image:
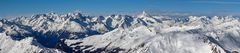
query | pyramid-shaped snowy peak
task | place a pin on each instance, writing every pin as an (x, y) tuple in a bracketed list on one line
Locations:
[(143, 14)]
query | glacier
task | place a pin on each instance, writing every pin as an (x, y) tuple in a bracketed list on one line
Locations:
[(143, 33)]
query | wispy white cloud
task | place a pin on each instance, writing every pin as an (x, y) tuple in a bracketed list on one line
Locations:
[(217, 2)]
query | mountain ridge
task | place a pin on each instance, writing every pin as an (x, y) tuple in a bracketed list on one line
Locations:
[(73, 32)]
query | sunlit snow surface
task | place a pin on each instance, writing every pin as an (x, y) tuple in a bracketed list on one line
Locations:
[(74, 32)]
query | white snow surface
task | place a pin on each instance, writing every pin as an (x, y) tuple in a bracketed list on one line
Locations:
[(27, 45)]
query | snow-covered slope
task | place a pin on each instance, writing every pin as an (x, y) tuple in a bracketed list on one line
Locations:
[(74, 32), (27, 45)]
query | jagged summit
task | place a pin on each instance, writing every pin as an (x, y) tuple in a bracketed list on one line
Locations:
[(143, 15)]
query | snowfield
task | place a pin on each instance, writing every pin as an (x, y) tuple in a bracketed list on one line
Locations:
[(77, 33)]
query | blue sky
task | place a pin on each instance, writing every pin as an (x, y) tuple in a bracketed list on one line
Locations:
[(101, 7)]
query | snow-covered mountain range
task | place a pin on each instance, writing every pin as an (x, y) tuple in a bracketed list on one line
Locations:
[(143, 33)]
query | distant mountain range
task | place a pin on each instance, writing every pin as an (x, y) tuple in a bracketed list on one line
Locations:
[(143, 33)]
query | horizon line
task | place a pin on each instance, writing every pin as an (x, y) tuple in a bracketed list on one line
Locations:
[(167, 13)]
